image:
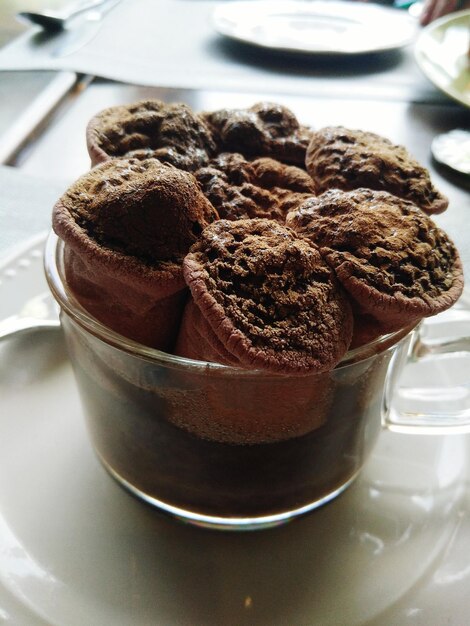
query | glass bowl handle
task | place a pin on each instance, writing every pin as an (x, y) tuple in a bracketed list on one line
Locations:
[(428, 390)]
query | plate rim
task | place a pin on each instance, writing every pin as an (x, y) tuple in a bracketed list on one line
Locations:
[(14, 608), (267, 6)]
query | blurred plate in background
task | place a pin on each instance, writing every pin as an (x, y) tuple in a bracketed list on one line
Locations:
[(318, 27), (442, 53)]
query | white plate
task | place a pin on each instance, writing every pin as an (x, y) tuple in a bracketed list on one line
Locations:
[(76, 549), (319, 27), (442, 53), (453, 150)]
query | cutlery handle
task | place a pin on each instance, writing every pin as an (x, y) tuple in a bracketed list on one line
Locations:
[(29, 124)]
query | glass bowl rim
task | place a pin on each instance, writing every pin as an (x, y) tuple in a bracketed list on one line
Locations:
[(53, 266)]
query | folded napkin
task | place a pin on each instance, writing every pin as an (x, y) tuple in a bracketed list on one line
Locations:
[(25, 206)]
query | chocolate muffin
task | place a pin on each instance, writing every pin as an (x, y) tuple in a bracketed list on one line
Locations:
[(262, 188), (392, 259), (341, 158), (264, 129), (267, 296), (171, 133), (127, 224)]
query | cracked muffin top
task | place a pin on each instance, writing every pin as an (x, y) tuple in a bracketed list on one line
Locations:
[(269, 297), (140, 208), (342, 158), (264, 129), (171, 133), (389, 255), (262, 188)]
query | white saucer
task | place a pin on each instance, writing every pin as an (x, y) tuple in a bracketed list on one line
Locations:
[(442, 53), (452, 149), (76, 549), (320, 27)]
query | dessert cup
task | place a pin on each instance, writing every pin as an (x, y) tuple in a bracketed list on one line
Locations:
[(267, 300), (266, 188), (127, 225), (216, 445), (395, 263), (343, 158), (264, 129), (171, 133)]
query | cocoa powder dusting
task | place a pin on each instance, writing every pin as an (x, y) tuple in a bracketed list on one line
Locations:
[(263, 188), (387, 253), (342, 158), (172, 133), (141, 208), (264, 129), (269, 296)]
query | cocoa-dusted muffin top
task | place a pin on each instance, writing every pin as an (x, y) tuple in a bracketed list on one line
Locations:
[(389, 255), (264, 129), (150, 128), (269, 297), (142, 208), (342, 158), (247, 189)]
